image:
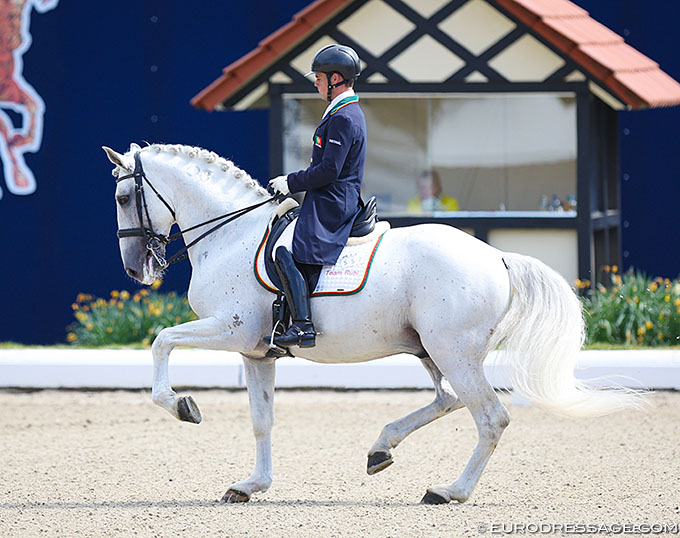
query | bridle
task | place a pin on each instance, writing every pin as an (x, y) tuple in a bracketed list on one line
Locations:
[(155, 242)]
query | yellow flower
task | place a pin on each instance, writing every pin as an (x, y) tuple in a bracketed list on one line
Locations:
[(578, 283), (628, 300), (120, 305), (88, 326), (660, 336), (607, 268), (86, 308), (677, 302), (636, 299), (641, 331), (101, 302), (144, 293), (125, 295), (74, 306), (667, 298), (150, 331), (172, 294), (177, 319), (156, 284), (619, 280), (80, 316), (648, 325), (109, 330), (115, 294), (168, 307), (136, 297), (615, 268), (653, 286), (71, 337), (146, 341), (661, 315), (112, 301)]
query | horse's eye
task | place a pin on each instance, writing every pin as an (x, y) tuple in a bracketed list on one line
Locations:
[(123, 199)]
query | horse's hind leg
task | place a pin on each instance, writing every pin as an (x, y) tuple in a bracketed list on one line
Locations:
[(445, 401), (490, 416)]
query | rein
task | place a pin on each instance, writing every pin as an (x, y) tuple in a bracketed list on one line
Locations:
[(156, 242)]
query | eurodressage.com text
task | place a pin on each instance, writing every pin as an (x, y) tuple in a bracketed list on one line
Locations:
[(580, 528)]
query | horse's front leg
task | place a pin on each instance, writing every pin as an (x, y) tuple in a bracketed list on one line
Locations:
[(260, 375), (205, 333)]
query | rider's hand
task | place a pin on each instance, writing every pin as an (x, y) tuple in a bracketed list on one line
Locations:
[(280, 185)]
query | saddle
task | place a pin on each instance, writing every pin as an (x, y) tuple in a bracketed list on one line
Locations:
[(364, 224)]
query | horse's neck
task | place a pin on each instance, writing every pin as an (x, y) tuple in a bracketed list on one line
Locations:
[(200, 193)]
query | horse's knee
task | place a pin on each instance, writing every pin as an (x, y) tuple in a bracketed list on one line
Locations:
[(161, 344)]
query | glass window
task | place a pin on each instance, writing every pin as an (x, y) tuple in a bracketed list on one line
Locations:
[(432, 154)]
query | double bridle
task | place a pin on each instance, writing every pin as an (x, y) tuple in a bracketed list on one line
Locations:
[(155, 242)]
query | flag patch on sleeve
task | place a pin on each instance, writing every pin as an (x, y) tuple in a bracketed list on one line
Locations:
[(317, 141)]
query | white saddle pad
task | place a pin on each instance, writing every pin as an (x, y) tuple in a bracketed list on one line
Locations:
[(346, 277)]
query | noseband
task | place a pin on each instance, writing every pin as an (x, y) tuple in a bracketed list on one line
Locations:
[(155, 242)]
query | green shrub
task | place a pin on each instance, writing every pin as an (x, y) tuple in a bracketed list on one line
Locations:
[(126, 318), (632, 309)]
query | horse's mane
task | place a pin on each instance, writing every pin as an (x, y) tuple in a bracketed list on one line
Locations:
[(212, 160)]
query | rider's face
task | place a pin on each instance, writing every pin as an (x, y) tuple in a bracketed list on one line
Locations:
[(321, 84)]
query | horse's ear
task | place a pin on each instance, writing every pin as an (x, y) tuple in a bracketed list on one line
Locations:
[(134, 148), (116, 158)]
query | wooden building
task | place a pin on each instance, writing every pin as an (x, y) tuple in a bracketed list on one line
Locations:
[(509, 101)]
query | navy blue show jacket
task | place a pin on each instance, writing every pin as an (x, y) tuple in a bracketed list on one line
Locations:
[(332, 183)]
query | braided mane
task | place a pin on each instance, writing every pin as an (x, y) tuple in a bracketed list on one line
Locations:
[(213, 160)]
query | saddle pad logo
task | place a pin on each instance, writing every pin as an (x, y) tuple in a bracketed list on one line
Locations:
[(317, 141)]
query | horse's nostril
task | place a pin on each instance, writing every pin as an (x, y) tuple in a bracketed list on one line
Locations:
[(131, 272)]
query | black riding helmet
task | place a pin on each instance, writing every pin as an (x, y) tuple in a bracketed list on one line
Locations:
[(336, 59)]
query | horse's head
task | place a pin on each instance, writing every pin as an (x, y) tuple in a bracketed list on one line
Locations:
[(144, 219)]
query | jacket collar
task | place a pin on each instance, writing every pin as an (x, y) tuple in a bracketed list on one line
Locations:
[(336, 101)]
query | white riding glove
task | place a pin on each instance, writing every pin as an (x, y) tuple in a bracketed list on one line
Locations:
[(280, 184)]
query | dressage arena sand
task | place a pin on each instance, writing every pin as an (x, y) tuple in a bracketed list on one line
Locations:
[(113, 464)]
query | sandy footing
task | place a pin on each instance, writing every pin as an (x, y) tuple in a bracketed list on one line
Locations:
[(113, 464)]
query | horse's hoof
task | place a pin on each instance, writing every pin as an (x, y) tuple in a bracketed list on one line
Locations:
[(433, 498), (378, 461), (187, 410), (235, 496)]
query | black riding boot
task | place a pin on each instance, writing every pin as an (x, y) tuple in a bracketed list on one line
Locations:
[(301, 332)]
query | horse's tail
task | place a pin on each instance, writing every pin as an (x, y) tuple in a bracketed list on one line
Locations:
[(541, 335)]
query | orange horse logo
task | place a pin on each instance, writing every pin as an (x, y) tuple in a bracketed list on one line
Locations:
[(18, 95)]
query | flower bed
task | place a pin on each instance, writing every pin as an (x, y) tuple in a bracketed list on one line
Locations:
[(632, 309), (126, 318)]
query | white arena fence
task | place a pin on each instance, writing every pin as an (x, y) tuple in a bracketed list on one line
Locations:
[(131, 369)]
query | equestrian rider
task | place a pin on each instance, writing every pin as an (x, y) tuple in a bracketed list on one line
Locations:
[(332, 184)]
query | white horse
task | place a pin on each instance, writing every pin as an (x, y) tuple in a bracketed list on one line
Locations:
[(434, 292)]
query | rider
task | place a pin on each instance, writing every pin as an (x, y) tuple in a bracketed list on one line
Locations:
[(332, 183)]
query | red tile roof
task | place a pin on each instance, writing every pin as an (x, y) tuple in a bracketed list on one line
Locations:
[(267, 52), (632, 77), (627, 73)]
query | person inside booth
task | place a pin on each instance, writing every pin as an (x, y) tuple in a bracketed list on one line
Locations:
[(430, 196)]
